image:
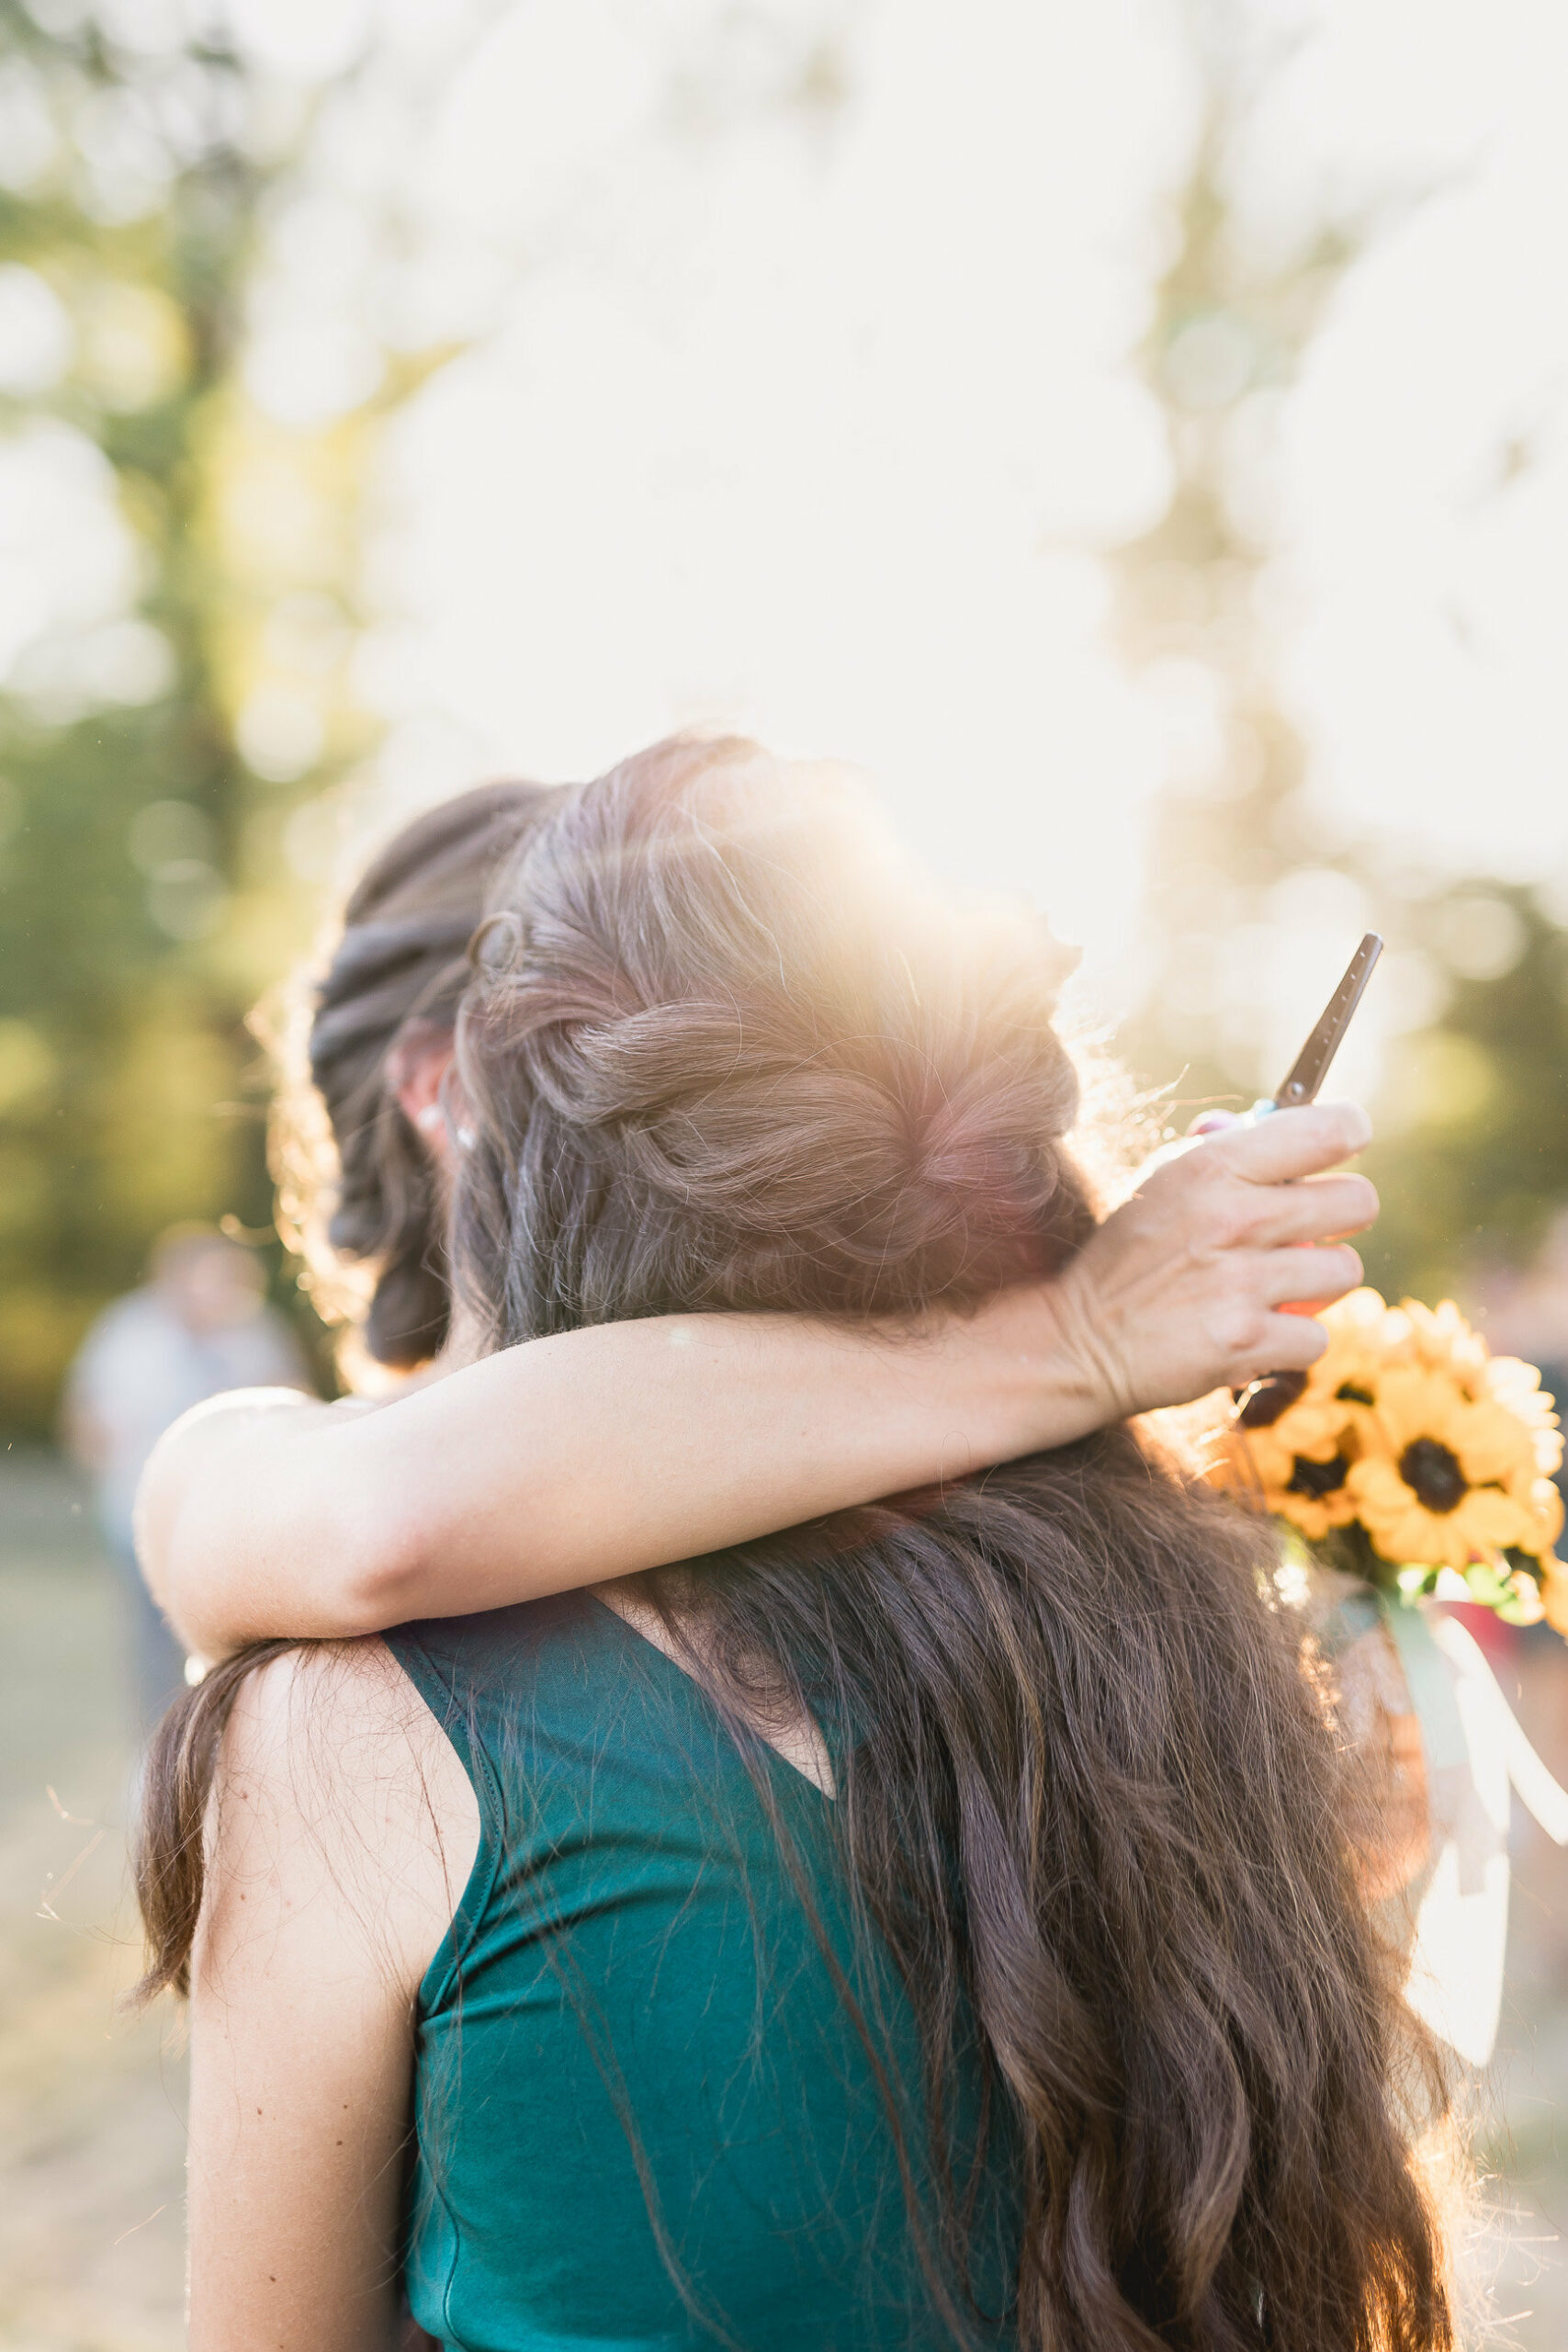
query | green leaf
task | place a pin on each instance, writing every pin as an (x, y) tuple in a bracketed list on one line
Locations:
[(1488, 1587)]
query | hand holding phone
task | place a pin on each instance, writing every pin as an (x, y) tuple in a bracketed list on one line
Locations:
[(1178, 1292), (1311, 1066)]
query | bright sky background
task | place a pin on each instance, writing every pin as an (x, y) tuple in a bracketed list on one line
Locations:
[(823, 432), (819, 423)]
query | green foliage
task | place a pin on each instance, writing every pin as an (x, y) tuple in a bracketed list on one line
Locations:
[(1226, 330), (121, 1035), (1474, 1159), (1473, 1155), (144, 899)]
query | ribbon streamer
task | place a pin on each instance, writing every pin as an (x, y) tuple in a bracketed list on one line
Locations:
[(1476, 1753)]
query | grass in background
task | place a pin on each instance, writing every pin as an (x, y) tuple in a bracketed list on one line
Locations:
[(91, 2132)]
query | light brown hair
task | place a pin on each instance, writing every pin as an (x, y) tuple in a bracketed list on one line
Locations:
[(722, 1053), (358, 1187), (718, 1052)]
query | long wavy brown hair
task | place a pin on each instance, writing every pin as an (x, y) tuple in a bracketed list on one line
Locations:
[(720, 1053)]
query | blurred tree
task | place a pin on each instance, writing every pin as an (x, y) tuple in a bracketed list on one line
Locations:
[(125, 230), (177, 590), (1474, 1157), (1226, 338), (1257, 886), (203, 323)]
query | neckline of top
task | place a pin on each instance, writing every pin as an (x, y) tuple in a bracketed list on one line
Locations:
[(824, 1788)]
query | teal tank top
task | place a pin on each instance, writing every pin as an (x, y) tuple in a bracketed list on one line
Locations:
[(646, 2118)]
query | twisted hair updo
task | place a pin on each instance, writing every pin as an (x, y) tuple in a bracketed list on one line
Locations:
[(361, 1188), (725, 1054)]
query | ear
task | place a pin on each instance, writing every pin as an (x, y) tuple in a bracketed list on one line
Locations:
[(416, 1073)]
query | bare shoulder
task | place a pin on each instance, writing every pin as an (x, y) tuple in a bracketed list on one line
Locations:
[(341, 1801), (344, 1711)]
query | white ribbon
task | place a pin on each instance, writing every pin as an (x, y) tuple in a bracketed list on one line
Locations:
[(1475, 1754)]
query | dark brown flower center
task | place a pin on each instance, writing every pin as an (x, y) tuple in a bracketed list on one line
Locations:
[(1433, 1474), (1317, 1478), (1262, 1404), (1349, 1394)]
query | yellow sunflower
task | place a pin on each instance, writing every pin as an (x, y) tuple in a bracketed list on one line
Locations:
[(1296, 1433), (1315, 1497), (1510, 1382), (1311, 1493), (1292, 1438), (1451, 1478), (1289, 1455), (1539, 1498), (1439, 1339), (1407, 1422), (1280, 1422), (1366, 1338)]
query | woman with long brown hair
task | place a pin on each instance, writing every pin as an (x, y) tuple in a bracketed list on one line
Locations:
[(934, 1925)]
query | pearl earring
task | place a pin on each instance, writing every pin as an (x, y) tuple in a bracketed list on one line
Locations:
[(429, 1119)]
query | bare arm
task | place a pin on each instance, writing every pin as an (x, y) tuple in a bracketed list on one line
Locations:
[(571, 1461), (593, 1455), (324, 1904)]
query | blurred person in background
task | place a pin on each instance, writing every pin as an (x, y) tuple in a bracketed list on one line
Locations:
[(198, 1327)]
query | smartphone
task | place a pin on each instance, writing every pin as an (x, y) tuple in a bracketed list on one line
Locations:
[(1311, 1066)]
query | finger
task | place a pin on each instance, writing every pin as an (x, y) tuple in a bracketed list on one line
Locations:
[(1293, 1143), (1315, 1276), (1319, 1208), (1289, 1343)]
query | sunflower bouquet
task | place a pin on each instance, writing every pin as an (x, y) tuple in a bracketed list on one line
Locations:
[(1412, 1457)]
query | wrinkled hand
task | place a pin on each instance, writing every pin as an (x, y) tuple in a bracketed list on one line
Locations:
[(1181, 1290)]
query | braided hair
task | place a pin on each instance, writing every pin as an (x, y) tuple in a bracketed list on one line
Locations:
[(358, 1189)]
